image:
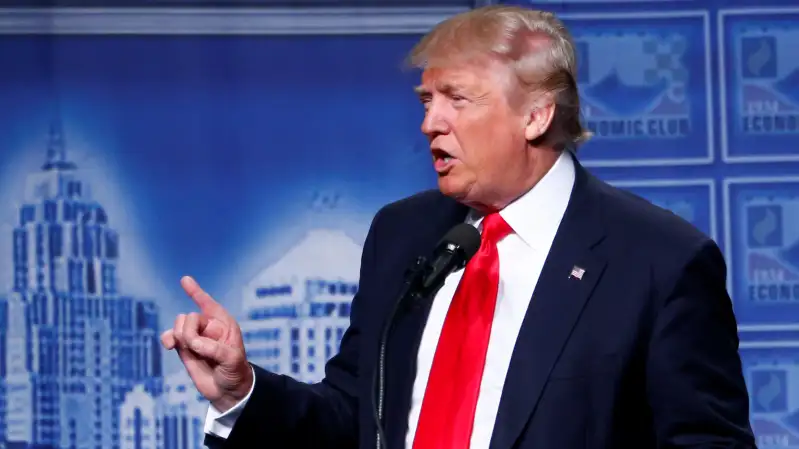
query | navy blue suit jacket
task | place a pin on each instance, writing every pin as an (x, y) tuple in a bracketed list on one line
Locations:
[(641, 353)]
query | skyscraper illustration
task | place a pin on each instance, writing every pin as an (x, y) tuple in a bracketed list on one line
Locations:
[(172, 420), (297, 310), (71, 345)]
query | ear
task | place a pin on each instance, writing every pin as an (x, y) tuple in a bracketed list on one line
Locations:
[(539, 118)]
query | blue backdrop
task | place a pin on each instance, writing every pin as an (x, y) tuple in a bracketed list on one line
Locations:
[(249, 146)]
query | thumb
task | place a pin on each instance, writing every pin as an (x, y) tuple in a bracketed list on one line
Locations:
[(214, 350)]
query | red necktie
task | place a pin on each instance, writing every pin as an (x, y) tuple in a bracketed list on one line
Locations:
[(447, 416)]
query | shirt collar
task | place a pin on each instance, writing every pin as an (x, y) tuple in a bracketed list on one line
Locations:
[(536, 215)]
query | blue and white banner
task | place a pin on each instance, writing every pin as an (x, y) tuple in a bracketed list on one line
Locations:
[(762, 228), (759, 72), (772, 374), (645, 84)]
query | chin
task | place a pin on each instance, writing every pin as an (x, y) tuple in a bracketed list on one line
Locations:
[(453, 188)]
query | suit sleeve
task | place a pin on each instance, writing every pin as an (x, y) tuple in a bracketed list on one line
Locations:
[(695, 383), (285, 413)]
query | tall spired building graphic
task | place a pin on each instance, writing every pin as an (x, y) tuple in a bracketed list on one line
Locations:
[(74, 345)]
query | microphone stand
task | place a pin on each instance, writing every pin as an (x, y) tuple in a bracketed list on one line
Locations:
[(411, 289)]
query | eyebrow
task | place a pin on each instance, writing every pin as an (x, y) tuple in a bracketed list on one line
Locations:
[(422, 93), (447, 88)]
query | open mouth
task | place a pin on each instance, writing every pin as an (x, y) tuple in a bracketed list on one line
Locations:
[(442, 161), (441, 154)]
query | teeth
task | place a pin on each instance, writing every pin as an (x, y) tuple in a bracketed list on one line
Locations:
[(447, 158)]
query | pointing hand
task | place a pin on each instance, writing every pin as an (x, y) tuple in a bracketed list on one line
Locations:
[(211, 348)]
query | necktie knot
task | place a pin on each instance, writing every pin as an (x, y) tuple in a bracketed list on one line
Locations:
[(495, 228)]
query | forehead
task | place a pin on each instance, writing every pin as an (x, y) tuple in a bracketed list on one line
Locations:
[(467, 76)]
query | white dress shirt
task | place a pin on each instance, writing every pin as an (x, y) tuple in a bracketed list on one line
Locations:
[(534, 218)]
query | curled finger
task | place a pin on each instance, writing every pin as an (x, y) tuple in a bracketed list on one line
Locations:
[(193, 326), (168, 339), (215, 351), (177, 330)]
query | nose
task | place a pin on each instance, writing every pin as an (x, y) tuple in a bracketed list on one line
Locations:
[(434, 122)]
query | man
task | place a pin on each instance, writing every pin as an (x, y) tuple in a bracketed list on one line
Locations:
[(587, 319)]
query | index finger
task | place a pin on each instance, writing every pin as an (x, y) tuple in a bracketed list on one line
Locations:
[(208, 306)]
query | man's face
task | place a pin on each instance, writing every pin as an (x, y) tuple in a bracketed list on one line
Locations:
[(476, 138)]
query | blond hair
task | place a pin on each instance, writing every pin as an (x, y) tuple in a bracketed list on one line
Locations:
[(534, 44)]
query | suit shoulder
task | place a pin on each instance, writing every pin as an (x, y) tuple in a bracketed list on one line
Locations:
[(650, 227), (426, 198), (411, 205), (647, 235)]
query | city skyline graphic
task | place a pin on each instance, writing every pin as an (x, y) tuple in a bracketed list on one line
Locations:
[(81, 362), (74, 344)]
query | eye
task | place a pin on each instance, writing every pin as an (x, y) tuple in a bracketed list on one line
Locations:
[(458, 100)]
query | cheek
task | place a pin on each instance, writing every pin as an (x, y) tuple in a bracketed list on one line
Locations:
[(476, 140), (487, 148)]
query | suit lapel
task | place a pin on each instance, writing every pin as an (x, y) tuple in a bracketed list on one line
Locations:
[(403, 343), (557, 302)]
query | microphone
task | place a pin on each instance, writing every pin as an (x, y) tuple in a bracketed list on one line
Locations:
[(422, 280), (452, 252)]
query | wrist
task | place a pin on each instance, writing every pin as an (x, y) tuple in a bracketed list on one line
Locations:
[(238, 393)]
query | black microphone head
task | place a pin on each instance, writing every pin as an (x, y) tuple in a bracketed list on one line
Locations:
[(465, 237)]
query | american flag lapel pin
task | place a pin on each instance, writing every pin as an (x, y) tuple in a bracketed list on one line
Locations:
[(577, 272)]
